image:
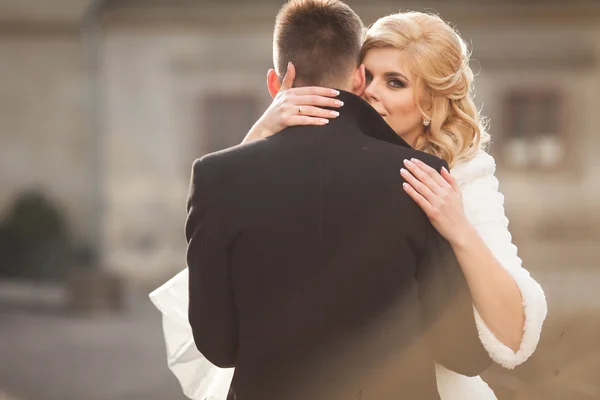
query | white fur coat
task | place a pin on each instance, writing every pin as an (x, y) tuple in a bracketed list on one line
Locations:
[(484, 207)]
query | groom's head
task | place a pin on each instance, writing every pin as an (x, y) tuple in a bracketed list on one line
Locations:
[(322, 38)]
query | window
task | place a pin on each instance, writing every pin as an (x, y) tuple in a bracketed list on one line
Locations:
[(229, 118), (533, 130)]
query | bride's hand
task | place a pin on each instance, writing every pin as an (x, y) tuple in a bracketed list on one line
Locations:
[(439, 196), (295, 106)]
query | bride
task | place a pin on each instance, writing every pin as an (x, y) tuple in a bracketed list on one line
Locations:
[(434, 83)]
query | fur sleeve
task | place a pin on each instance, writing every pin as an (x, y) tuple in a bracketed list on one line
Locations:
[(484, 207)]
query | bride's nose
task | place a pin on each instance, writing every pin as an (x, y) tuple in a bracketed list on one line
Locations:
[(370, 92)]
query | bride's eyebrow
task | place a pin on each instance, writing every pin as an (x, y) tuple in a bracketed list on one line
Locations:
[(394, 74)]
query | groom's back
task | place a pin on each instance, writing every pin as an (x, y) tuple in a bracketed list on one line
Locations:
[(323, 266)]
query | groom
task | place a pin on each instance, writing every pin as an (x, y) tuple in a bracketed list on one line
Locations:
[(311, 271)]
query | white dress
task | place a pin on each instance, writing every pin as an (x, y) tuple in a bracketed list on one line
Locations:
[(484, 207)]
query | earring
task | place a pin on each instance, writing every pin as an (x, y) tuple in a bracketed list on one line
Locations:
[(426, 121)]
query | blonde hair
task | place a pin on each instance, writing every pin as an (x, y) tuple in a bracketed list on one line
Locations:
[(438, 59)]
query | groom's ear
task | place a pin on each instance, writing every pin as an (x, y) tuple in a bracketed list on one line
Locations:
[(359, 81), (273, 83)]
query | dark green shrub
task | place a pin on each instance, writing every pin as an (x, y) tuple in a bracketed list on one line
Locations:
[(34, 242)]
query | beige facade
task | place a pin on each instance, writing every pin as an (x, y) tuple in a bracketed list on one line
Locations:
[(167, 67), (43, 112)]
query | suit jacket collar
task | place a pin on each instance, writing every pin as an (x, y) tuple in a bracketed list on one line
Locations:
[(358, 112)]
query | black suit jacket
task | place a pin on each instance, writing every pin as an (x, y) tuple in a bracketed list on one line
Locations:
[(316, 276)]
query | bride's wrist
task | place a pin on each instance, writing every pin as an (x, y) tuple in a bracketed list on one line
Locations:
[(259, 129), (463, 237), (255, 133)]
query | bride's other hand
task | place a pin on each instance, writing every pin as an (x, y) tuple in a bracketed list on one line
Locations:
[(439, 196), (295, 106)]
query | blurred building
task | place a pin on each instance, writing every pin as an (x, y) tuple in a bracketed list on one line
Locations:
[(106, 104)]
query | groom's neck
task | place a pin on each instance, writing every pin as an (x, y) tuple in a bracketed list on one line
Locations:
[(343, 84)]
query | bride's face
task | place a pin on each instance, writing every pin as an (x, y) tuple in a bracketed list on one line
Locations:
[(391, 91)]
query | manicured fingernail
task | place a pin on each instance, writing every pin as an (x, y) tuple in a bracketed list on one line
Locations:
[(324, 121), (334, 92), (407, 162), (414, 160), (403, 171), (334, 113), (444, 168), (405, 185), (339, 103)]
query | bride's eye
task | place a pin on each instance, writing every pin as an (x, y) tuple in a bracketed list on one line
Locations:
[(396, 83), (368, 77)]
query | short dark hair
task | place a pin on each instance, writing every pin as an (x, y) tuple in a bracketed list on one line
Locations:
[(321, 37)]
